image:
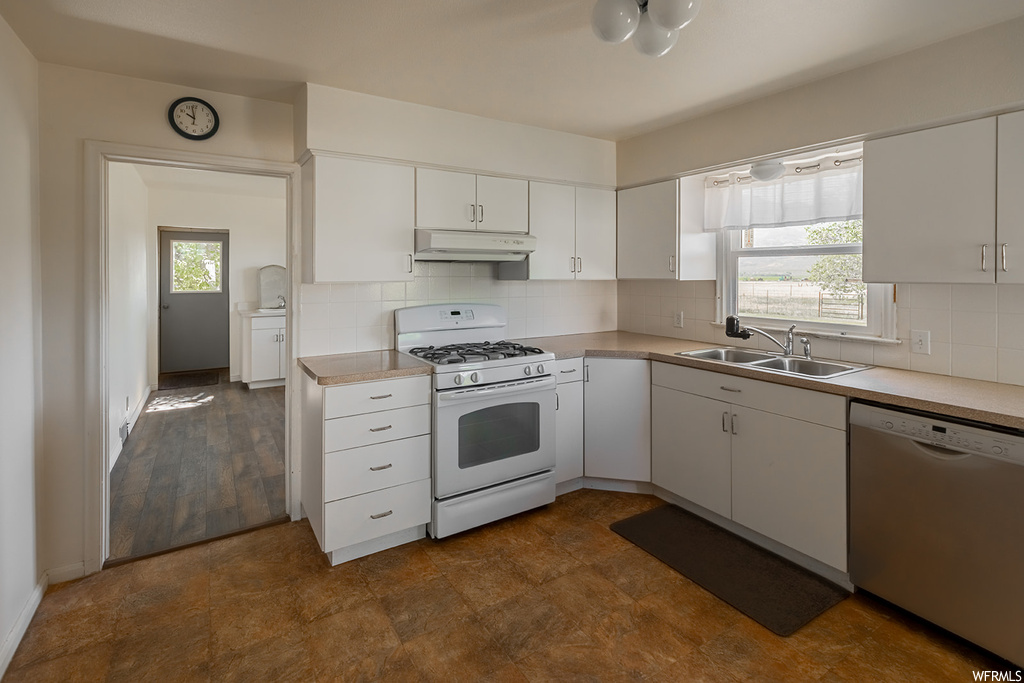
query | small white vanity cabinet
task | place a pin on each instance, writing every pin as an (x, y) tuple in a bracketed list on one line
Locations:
[(366, 463), (767, 456), (264, 360)]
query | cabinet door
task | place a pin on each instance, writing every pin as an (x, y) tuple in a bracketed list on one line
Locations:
[(502, 204), (647, 232), (362, 220), (789, 483), (617, 418), (929, 205), (266, 355), (569, 432), (595, 234), (1010, 193), (690, 448), (445, 199), (553, 223)]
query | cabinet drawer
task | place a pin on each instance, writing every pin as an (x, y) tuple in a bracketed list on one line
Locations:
[(569, 370), (368, 397), (361, 518), (802, 404), (273, 322), (363, 430), (381, 466)]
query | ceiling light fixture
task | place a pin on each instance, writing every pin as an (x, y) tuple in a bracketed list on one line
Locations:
[(653, 24), (769, 169)]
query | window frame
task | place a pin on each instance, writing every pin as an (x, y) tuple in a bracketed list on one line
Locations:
[(880, 310)]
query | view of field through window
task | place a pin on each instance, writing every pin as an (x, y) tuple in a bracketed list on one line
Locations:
[(826, 288)]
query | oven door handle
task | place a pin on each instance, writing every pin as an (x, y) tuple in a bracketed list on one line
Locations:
[(529, 386)]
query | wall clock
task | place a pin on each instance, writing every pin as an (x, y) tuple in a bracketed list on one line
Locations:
[(193, 118)]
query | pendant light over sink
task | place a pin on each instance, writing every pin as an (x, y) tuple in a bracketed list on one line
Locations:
[(653, 24)]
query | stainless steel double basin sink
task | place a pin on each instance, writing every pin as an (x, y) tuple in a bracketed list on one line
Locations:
[(773, 362)]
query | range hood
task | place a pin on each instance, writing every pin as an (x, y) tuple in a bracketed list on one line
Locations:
[(472, 245)]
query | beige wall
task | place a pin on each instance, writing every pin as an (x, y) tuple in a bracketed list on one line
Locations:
[(20, 407), (345, 121), (77, 105), (977, 72)]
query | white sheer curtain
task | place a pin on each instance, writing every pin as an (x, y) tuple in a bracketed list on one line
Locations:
[(812, 191)]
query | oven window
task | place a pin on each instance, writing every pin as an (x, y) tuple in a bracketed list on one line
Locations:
[(497, 433)]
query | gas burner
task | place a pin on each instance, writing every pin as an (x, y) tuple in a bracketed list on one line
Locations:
[(474, 352)]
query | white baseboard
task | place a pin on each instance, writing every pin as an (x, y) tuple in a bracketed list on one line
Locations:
[(13, 638), (133, 419), (568, 485), (68, 572)]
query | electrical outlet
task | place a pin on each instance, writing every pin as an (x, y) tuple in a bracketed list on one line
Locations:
[(677, 319), (920, 341)]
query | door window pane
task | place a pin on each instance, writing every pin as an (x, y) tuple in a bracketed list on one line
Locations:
[(497, 433), (195, 266)]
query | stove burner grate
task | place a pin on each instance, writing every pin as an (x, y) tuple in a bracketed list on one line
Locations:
[(473, 352)]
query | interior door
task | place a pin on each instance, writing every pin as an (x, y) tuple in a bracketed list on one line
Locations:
[(194, 301)]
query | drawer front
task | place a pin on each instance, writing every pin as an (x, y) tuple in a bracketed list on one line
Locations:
[(569, 370), (381, 466), (802, 404), (371, 515), (364, 430), (369, 397), (273, 322)]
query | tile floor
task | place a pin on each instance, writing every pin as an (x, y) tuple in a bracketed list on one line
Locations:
[(552, 594)]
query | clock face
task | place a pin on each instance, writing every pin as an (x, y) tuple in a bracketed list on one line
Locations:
[(193, 118)]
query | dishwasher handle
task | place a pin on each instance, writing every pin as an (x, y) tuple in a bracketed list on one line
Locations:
[(940, 453)]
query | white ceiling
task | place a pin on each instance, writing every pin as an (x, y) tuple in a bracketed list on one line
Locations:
[(528, 61)]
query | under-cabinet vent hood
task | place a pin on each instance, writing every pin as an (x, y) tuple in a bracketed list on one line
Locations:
[(472, 245)]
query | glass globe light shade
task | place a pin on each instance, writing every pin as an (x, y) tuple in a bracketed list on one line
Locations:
[(615, 20), (651, 39), (767, 170), (673, 14)]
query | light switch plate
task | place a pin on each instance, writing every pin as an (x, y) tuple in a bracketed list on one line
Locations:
[(920, 341), (677, 319)]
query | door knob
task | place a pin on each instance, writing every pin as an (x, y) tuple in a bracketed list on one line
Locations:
[(165, 306)]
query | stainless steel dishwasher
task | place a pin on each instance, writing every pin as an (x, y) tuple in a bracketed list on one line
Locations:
[(937, 521)]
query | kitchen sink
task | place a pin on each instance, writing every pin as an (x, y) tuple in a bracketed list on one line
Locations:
[(771, 362), (728, 355)]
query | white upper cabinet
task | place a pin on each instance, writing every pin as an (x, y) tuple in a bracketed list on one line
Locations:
[(575, 231), (450, 200), (930, 205), (357, 220), (595, 234), (1010, 191), (661, 232)]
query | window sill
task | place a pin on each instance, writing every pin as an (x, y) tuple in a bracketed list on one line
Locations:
[(818, 334)]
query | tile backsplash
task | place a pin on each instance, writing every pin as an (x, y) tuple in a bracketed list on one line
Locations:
[(977, 331), (344, 318)]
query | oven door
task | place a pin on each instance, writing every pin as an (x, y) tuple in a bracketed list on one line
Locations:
[(491, 434)]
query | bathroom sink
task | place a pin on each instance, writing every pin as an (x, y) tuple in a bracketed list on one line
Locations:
[(727, 355)]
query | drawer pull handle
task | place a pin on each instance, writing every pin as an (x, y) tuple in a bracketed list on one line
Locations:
[(566, 372), (381, 514), (380, 429), (380, 467), (377, 398), (736, 391)]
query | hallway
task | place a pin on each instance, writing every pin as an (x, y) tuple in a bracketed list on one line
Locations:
[(201, 462)]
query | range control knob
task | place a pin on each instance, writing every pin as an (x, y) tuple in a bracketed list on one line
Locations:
[(527, 370), (458, 379), (475, 377), (540, 369), (997, 450), (888, 425)]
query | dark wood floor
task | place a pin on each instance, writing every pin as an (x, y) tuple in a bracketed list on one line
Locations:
[(201, 462)]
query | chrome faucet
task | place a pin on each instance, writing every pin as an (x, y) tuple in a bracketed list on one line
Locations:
[(281, 302), (733, 329)]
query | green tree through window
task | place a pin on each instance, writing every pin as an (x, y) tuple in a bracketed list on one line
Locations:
[(838, 274), (196, 266)]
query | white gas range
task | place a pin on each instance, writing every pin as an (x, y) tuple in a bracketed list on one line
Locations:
[(493, 418)]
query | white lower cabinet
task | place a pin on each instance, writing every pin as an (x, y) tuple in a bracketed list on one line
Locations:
[(769, 457), (617, 418), (569, 420), (264, 360), (366, 464)]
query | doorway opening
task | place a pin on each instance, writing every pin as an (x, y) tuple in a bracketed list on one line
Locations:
[(195, 454)]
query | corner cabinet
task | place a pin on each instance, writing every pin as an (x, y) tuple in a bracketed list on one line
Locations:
[(661, 232), (264, 360), (769, 457), (366, 464), (617, 418), (569, 420), (575, 231), (450, 200), (357, 219)]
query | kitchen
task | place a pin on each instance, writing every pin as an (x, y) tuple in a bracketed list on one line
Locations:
[(934, 80)]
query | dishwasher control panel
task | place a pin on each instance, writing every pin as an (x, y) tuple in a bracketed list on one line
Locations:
[(944, 434)]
